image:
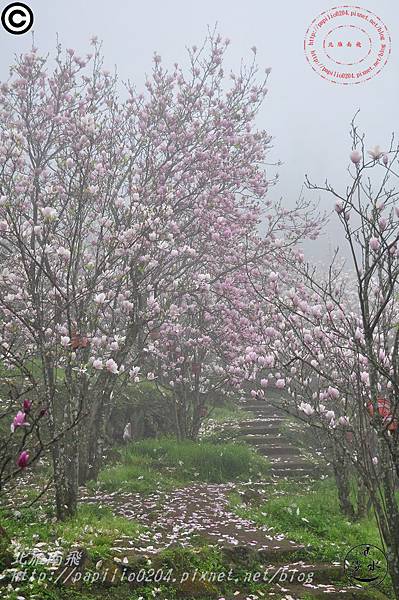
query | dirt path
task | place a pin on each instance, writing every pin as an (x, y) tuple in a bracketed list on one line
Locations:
[(202, 511), (183, 514)]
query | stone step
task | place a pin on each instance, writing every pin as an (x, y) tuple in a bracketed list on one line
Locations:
[(259, 440), (264, 414), (294, 472), (326, 573), (271, 429), (294, 462), (262, 403), (269, 450), (319, 591), (267, 410), (277, 552), (275, 440), (261, 422)]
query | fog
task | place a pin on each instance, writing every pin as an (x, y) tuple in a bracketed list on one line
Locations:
[(307, 116)]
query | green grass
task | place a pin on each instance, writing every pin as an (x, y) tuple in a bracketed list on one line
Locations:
[(93, 527), (228, 411), (309, 514), (313, 518), (154, 464), (178, 566)]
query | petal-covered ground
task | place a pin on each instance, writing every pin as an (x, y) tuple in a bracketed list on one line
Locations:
[(183, 514)]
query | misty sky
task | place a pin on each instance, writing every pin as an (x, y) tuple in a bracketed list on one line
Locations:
[(307, 116)]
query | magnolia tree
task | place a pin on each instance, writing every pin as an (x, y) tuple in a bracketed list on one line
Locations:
[(195, 347), (106, 204), (212, 315), (336, 339)]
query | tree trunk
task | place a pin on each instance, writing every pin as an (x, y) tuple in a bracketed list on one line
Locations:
[(342, 478), (362, 500), (388, 474), (66, 490)]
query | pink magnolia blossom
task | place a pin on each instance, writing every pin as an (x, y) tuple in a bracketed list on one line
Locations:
[(48, 213), (134, 371), (23, 459), (333, 392), (98, 364), (111, 366), (375, 153), (374, 244), (19, 420), (100, 298), (358, 334), (269, 360), (355, 156), (383, 223), (280, 383), (306, 408), (127, 306)]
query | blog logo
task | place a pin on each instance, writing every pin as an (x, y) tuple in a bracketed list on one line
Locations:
[(17, 18), (366, 564)]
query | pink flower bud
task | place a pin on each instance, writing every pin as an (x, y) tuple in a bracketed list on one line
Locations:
[(385, 159), (358, 334), (383, 223), (374, 244), (23, 459), (355, 157), (333, 393), (329, 414), (27, 405)]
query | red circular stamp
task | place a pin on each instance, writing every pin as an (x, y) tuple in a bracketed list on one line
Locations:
[(347, 45)]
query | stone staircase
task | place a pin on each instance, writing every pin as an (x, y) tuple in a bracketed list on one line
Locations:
[(265, 431)]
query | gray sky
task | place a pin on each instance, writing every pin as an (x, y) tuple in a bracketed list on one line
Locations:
[(307, 116)]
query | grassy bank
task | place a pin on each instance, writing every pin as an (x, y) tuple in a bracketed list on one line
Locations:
[(154, 464), (309, 514)]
